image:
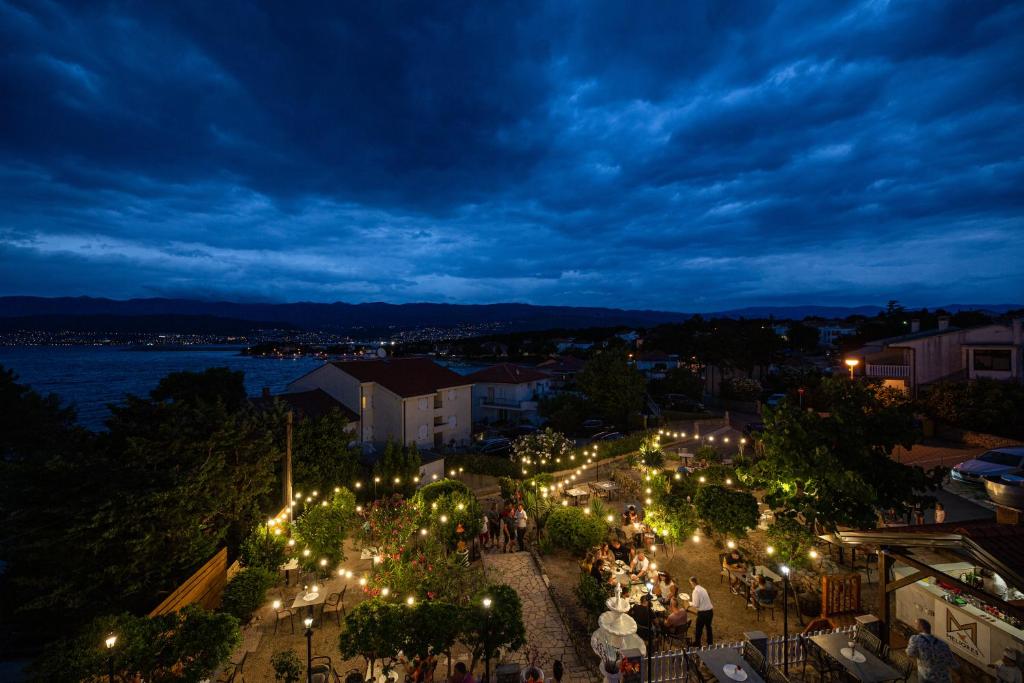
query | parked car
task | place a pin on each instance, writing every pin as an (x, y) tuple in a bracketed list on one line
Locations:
[(997, 461), (607, 436), (774, 400), (593, 425), (500, 446), (683, 403)]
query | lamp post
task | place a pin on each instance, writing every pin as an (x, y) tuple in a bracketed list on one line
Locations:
[(110, 642), (785, 619), (487, 640), (309, 646), (851, 363)]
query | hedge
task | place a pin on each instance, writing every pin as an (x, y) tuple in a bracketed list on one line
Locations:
[(246, 592), (477, 463), (571, 528)]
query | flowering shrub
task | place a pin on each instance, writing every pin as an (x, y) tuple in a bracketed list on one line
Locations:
[(542, 451)]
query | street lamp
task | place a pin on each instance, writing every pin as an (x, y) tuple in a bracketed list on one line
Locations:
[(487, 640), (851, 363), (309, 647), (785, 619), (110, 642)]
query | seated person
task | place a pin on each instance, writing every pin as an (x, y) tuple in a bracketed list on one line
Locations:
[(596, 570), (736, 566), (677, 618), (666, 589), (640, 565), (605, 553), (631, 513), (619, 551), (765, 591), (643, 615)]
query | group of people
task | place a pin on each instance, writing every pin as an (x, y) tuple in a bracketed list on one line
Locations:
[(504, 529)]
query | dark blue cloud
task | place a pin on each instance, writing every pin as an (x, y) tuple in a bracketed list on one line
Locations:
[(685, 156)]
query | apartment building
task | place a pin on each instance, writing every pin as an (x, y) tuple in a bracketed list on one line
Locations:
[(410, 400), (508, 393)]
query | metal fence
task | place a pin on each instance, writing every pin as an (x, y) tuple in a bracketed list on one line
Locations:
[(671, 665)]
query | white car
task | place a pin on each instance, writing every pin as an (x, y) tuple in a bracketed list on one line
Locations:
[(997, 461)]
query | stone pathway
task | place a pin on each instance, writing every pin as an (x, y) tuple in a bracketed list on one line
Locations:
[(544, 628)]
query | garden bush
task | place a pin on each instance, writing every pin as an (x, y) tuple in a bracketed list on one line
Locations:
[(287, 666), (725, 510), (544, 451), (741, 389), (478, 463), (246, 592), (431, 492), (263, 549), (574, 530), (592, 595), (322, 529), (791, 540)]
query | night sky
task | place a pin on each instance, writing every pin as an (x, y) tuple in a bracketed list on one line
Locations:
[(679, 155)]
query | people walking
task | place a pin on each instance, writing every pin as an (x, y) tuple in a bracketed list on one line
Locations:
[(700, 603), (521, 521)]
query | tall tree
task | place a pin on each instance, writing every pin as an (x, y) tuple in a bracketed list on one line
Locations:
[(615, 388), (324, 453), (832, 464)]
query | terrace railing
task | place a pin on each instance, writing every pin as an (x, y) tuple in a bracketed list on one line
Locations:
[(670, 665)]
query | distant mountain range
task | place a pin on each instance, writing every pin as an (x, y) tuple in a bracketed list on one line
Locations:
[(88, 313)]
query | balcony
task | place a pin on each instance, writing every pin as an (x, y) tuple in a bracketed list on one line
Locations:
[(888, 371), (507, 404)]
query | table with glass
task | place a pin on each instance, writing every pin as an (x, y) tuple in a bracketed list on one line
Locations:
[(861, 664), (727, 665)]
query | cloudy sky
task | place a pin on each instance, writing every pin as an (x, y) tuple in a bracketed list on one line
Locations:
[(675, 155)]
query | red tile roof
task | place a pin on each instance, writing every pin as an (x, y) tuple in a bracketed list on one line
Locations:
[(507, 373), (404, 376), (314, 403), (561, 364)]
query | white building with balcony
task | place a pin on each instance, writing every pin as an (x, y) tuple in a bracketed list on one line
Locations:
[(915, 360), (409, 400), (508, 393)]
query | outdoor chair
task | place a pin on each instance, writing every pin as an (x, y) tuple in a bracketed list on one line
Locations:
[(774, 675), (827, 668), (335, 602), (284, 612), (678, 637), (902, 663), (694, 671), (233, 672), (765, 604), (754, 656), (322, 670), (869, 641)]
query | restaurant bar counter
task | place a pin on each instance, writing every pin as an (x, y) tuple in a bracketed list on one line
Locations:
[(972, 633)]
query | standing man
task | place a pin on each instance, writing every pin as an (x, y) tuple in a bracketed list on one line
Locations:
[(700, 603), (934, 658), (521, 520)]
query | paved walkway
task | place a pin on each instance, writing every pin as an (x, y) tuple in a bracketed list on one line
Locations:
[(544, 628)]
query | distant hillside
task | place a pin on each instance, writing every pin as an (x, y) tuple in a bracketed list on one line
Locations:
[(342, 316), (382, 317), (130, 324)]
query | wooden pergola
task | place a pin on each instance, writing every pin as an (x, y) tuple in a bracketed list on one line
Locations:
[(897, 545)]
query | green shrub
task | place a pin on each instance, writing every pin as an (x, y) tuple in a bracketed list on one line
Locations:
[(431, 492), (260, 549), (478, 463), (246, 592), (791, 540), (574, 530), (725, 510), (507, 487), (322, 530), (592, 595), (984, 405), (287, 666)]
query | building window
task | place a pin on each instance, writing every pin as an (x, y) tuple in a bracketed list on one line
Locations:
[(437, 401), (996, 360)]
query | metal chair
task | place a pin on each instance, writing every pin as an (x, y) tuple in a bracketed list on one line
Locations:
[(764, 604), (283, 610), (754, 656), (827, 668), (335, 602), (774, 675), (902, 663), (233, 673), (322, 670), (869, 641), (693, 668), (678, 636)]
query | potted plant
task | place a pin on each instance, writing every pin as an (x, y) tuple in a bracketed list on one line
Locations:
[(287, 666), (610, 669)]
